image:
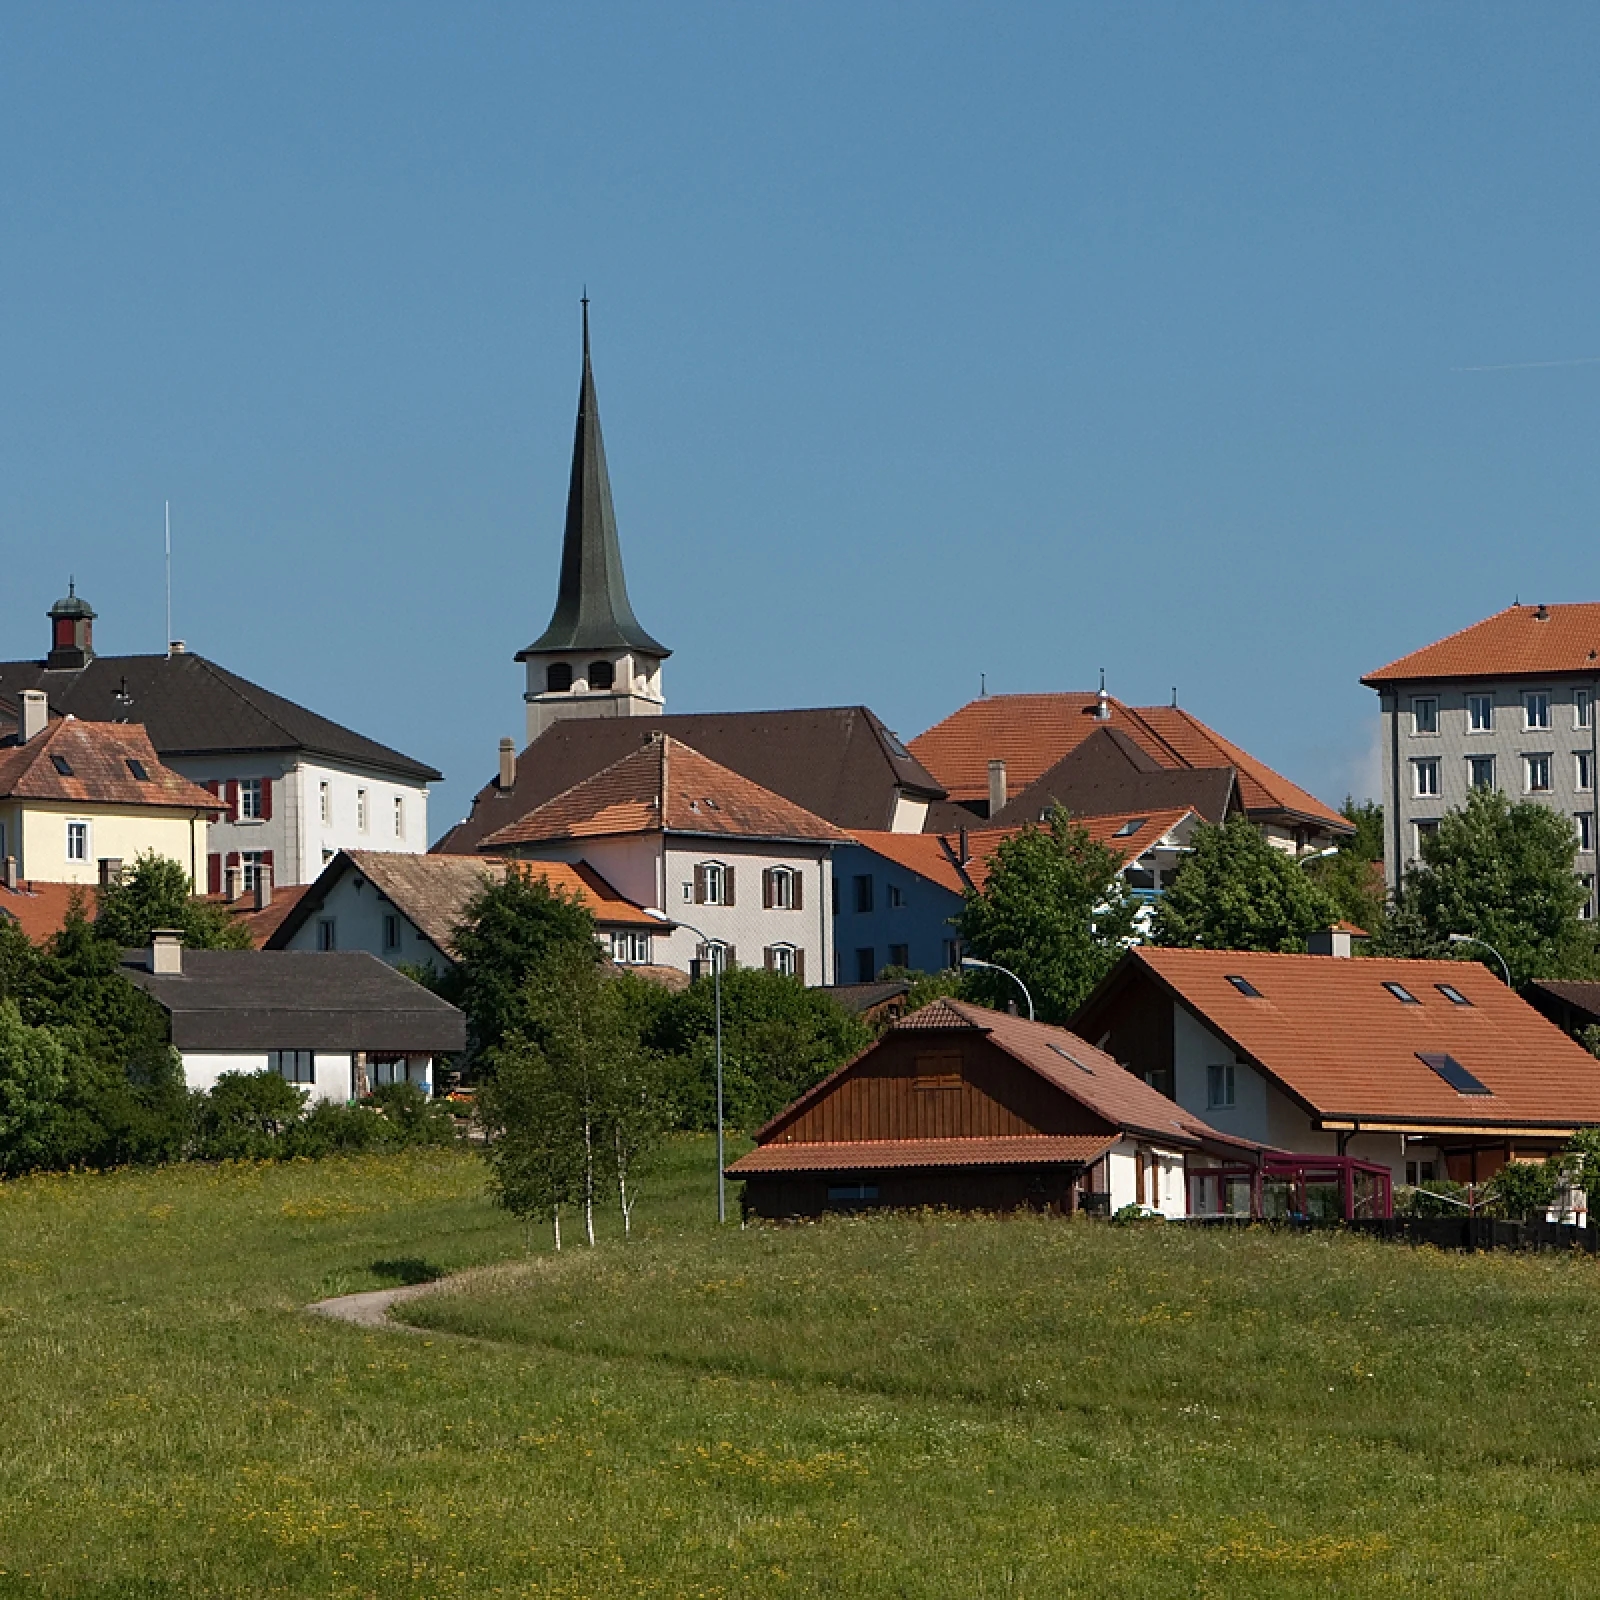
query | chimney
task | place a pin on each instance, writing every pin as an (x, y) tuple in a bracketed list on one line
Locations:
[(263, 886), (33, 714), (997, 786), (13, 877), (233, 884), (508, 764), (110, 871), (966, 848), (177, 647), (1329, 942), (166, 952)]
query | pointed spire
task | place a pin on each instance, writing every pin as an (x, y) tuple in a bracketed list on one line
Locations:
[(592, 607)]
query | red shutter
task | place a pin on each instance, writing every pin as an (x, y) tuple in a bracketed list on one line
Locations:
[(231, 794), (266, 799), (233, 859), (727, 886), (767, 956), (699, 886), (729, 958), (266, 861), (766, 891), (213, 873), (800, 960), (796, 890)]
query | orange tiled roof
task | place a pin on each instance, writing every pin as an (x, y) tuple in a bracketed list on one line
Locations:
[(1521, 641), (666, 786), (1031, 732), (98, 758), (39, 909), (262, 924), (1342, 1044)]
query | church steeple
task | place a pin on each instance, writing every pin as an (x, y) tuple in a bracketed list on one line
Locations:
[(594, 658)]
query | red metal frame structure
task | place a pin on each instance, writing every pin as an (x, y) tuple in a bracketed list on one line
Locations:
[(1365, 1189)]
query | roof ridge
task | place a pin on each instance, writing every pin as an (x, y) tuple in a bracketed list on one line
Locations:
[(1493, 616)]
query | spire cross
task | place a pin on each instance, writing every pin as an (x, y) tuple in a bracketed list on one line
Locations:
[(585, 304)]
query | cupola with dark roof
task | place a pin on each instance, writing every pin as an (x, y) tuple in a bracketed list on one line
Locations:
[(71, 632), (595, 658)]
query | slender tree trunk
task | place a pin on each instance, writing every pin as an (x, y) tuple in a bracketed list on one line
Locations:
[(558, 1229), (622, 1187), (588, 1177)]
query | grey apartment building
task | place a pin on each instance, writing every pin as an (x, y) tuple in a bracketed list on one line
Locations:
[(1506, 704)]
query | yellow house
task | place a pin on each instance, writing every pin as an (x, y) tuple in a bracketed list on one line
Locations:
[(75, 795)]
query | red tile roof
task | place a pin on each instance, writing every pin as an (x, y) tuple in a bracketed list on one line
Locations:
[(868, 1155), (97, 757), (1347, 1048), (262, 924), (666, 786), (1031, 732), (1521, 641), (39, 909)]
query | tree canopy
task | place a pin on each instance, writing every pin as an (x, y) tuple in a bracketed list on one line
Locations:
[(155, 893), (1056, 910), (1236, 891), (1353, 879)]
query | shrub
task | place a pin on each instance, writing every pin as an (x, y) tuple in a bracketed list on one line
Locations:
[(1524, 1189), (410, 1117), (1432, 1199), (246, 1115), (330, 1128)]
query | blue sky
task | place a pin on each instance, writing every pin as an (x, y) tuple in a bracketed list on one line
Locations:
[(932, 341)]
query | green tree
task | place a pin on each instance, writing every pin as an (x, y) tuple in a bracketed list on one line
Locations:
[(1353, 879), (246, 1114), (1524, 1190), (155, 893), (513, 929), (1505, 873), (33, 1082), (1056, 910), (532, 1146), (1235, 891)]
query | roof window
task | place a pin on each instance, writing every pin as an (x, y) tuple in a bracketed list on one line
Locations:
[(1130, 827), (1067, 1055), (1402, 994), (137, 768), (1453, 1073), (62, 765), (1452, 994), (1244, 986)]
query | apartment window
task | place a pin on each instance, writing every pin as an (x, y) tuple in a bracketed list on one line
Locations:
[(783, 958), (1452, 994), (1583, 769), (325, 802), (1585, 825), (780, 889), (866, 965), (1424, 831), (1536, 709), (900, 956), (399, 817), (893, 896), (1536, 774), (250, 800), (325, 935), (863, 890), (252, 861), (297, 1066), (1425, 714), (391, 932), (838, 899), (361, 810), (716, 956), (1480, 713), (1425, 776), (1480, 771), (953, 950), (77, 841), (630, 949), (1219, 1086), (1586, 910), (1582, 708), (713, 884)]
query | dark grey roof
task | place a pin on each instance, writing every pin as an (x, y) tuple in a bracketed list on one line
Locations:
[(839, 762), (190, 706), (864, 997), (593, 611), (1108, 772), (297, 1000)]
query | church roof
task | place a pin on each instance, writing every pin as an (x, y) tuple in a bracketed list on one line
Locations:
[(593, 611)]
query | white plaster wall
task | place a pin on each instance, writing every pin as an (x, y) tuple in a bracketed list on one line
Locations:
[(37, 836), (357, 910), (909, 813), (334, 1070)]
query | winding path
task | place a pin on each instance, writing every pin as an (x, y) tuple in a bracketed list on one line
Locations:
[(370, 1309)]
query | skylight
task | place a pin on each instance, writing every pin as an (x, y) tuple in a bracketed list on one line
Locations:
[(1453, 1073), (1244, 986), (62, 765), (1452, 994), (1402, 994), (1130, 827), (137, 768), (1067, 1055)]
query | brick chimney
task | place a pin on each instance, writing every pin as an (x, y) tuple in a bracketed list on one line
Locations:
[(233, 884), (166, 952), (997, 786), (508, 764), (33, 714), (263, 887)]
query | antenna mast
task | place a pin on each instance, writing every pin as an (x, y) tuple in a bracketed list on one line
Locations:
[(169, 578)]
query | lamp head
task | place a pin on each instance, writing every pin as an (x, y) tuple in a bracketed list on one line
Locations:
[(656, 912)]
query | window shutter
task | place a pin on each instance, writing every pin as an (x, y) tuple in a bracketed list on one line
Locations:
[(699, 886), (266, 861), (729, 958), (799, 960), (796, 891), (233, 859), (231, 795), (213, 873), (727, 886), (770, 957), (766, 891), (266, 799)]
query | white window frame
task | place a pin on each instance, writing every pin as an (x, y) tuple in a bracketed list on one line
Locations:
[(251, 862), (250, 799), (1422, 828), (294, 1066), (782, 958), (1424, 709), (361, 810), (714, 953), (399, 816), (1582, 708), (630, 948), (1586, 910), (714, 875), (1584, 822), (79, 839), (1530, 765), (782, 881), (1425, 778), (1221, 1086), (1536, 701), (325, 802), (1583, 770), (1473, 762), (1480, 703)]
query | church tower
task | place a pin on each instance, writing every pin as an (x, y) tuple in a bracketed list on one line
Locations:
[(594, 659)]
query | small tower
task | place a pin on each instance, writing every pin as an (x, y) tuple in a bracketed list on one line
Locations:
[(71, 632), (594, 660)]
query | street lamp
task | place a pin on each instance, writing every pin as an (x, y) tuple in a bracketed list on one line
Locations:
[(716, 978), (969, 962), (1472, 938), (1319, 855)]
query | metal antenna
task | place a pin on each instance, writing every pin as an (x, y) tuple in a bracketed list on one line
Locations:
[(983, 684), (169, 577)]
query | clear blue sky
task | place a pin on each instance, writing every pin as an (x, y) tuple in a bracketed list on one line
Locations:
[(931, 340)]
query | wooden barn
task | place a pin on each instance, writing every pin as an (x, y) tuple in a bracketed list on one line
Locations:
[(972, 1109)]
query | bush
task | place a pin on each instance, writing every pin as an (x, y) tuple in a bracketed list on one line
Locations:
[(245, 1116), (1522, 1190), (410, 1117), (1432, 1199), (330, 1128)]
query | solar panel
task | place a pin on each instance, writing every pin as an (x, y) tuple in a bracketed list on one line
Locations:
[(1452, 1072), (1068, 1055)]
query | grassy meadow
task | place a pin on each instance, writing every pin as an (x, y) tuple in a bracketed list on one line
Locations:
[(927, 1407)]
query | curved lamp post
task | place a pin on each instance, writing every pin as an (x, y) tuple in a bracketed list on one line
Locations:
[(1318, 855), (716, 978), (969, 962), (1472, 938)]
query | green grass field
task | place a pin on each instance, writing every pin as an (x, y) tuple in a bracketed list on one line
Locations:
[(887, 1407)]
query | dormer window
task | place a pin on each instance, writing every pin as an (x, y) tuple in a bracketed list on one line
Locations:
[(558, 678), (602, 675)]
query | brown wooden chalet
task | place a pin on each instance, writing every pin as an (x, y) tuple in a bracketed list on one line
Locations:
[(972, 1109)]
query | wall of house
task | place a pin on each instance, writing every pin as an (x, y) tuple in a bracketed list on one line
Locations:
[(916, 933), (36, 833), (1455, 744), (335, 1071), (358, 912), (1030, 1188), (1147, 1176)]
